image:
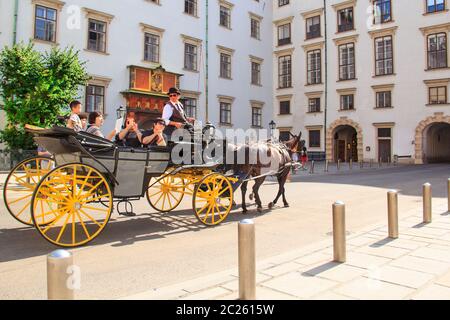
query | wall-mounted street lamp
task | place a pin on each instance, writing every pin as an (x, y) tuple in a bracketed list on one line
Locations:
[(272, 126)]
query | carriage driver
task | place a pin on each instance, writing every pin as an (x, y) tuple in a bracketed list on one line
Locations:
[(173, 113)]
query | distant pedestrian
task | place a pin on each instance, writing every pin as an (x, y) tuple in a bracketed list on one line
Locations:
[(304, 158)]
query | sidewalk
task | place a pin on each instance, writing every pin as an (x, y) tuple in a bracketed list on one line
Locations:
[(415, 266)]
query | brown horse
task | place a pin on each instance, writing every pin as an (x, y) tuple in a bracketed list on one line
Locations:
[(277, 162)]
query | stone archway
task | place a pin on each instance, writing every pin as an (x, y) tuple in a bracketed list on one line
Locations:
[(344, 121), (419, 135)]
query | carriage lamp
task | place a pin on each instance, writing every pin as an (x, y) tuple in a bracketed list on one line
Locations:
[(121, 112), (272, 126)]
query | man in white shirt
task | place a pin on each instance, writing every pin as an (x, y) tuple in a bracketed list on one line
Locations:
[(173, 113)]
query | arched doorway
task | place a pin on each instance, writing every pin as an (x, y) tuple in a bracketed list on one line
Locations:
[(345, 144), (436, 143), (344, 140), (432, 139)]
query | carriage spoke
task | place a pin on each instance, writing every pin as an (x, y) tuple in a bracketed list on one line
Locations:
[(95, 209), (84, 182), (73, 227), (63, 227), (82, 224), (54, 221), (90, 218), (155, 193), (19, 199), (207, 213), (23, 209)]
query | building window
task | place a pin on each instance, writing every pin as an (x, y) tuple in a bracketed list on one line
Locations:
[(382, 11), (284, 34), (345, 19), (435, 5), (384, 64), (190, 57), (255, 28), (313, 105), (97, 36), (282, 2), (384, 132), (95, 98), (285, 107), (347, 61), (314, 138), (190, 106), (225, 113), (437, 51), (190, 7), (256, 73), (225, 17), (313, 27), (284, 72), (256, 117), (225, 66), (314, 67), (45, 24), (284, 136), (347, 102), (437, 95), (383, 99), (151, 51)]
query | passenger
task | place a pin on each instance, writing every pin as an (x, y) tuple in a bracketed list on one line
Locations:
[(95, 123), (155, 136), (173, 113), (74, 121), (84, 120), (128, 136)]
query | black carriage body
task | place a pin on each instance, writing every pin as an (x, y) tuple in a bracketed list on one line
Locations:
[(128, 170)]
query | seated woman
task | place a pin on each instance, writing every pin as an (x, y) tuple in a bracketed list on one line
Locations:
[(96, 121), (128, 137), (155, 136)]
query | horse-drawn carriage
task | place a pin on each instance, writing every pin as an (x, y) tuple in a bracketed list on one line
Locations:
[(70, 197)]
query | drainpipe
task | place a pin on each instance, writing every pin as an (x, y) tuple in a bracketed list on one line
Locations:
[(16, 10), (207, 63), (326, 77)]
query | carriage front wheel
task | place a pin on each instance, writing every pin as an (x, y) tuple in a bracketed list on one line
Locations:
[(20, 184), (166, 194), (72, 205), (213, 199)]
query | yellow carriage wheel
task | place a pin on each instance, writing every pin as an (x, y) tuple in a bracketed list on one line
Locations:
[(166, 194), (83, 202), (213, 199), (20, 185)]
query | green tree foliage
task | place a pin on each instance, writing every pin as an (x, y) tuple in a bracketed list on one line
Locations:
[(36, 88)]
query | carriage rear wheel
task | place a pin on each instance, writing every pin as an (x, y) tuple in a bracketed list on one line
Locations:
[(166, 194), (68, 205), (213, 199), (20, 184)]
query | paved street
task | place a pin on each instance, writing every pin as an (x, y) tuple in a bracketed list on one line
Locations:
[(134, 255)]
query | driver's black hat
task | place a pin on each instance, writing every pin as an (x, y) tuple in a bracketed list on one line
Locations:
[(173, 90)]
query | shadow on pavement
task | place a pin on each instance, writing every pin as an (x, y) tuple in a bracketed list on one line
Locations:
[(26, 242)]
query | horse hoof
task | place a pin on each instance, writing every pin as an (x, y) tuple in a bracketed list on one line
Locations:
[(286, 205), (271, 205), (244, 211), (259, 210)]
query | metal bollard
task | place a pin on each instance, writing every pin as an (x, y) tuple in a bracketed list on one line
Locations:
[(350, 164), (327, 164), (392, 196), (247, 260), (339, 249), (58, 263), (339, 164), (427, 203), (380, 164), (371, 163), (361, 164), (448, 194), (312, 167)]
